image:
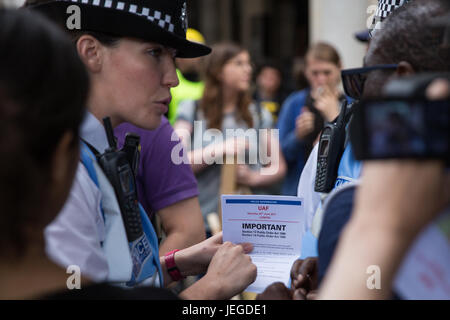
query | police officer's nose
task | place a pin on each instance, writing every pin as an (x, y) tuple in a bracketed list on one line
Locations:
[(170, 78)]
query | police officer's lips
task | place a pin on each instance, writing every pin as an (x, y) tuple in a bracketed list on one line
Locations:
[(164, 104), (165, 101)]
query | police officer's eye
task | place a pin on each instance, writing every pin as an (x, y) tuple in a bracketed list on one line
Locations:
[(173, 53), (156, 52)]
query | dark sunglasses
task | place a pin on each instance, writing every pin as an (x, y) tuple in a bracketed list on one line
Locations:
[(354, 79)]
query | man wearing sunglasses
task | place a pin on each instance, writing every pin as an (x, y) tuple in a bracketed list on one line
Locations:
[(403, 46), (354, 79)]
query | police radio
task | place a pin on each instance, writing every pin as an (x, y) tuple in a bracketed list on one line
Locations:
[(117, 168), (132, 149), (331, 147)]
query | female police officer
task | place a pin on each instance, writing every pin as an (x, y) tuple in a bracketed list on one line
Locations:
[(40, 145), (129, 48)]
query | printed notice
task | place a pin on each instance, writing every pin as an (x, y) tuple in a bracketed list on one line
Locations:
[(275, 227)]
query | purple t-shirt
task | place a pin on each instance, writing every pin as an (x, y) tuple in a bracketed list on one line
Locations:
[(160, 182)]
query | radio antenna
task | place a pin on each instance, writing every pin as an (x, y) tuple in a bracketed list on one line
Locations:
[(109, 133)]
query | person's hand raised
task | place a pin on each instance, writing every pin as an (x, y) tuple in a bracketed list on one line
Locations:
[(304, 123), (327, 102)]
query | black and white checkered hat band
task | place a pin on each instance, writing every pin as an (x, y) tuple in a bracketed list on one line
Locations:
[(385, 8), (163, 20)]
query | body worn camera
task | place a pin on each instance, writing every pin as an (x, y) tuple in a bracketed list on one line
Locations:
[(404, 123), (331, 147), (118, 169)]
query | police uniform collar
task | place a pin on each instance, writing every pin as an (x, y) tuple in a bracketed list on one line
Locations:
[(94, 133)]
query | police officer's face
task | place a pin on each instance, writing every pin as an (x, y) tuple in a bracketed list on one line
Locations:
[(136, 78)]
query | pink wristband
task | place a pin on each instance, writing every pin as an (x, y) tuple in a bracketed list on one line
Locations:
[(172, 268)]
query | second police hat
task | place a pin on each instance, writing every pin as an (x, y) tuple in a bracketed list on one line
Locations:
[(161, 21), (385, 8)]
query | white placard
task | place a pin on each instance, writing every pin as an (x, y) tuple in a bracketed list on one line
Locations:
[(275, 227)]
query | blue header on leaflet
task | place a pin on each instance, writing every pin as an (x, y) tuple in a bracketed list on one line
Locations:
[(253, 201)]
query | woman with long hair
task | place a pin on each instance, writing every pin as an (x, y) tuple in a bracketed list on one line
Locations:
[(227, 104)]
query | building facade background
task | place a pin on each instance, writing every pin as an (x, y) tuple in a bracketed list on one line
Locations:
[(283, 29)]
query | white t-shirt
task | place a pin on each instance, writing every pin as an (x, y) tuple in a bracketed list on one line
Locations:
[(311, 199)]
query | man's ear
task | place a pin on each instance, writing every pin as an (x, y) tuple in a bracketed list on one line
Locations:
[(405, 69), (91, 52)]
